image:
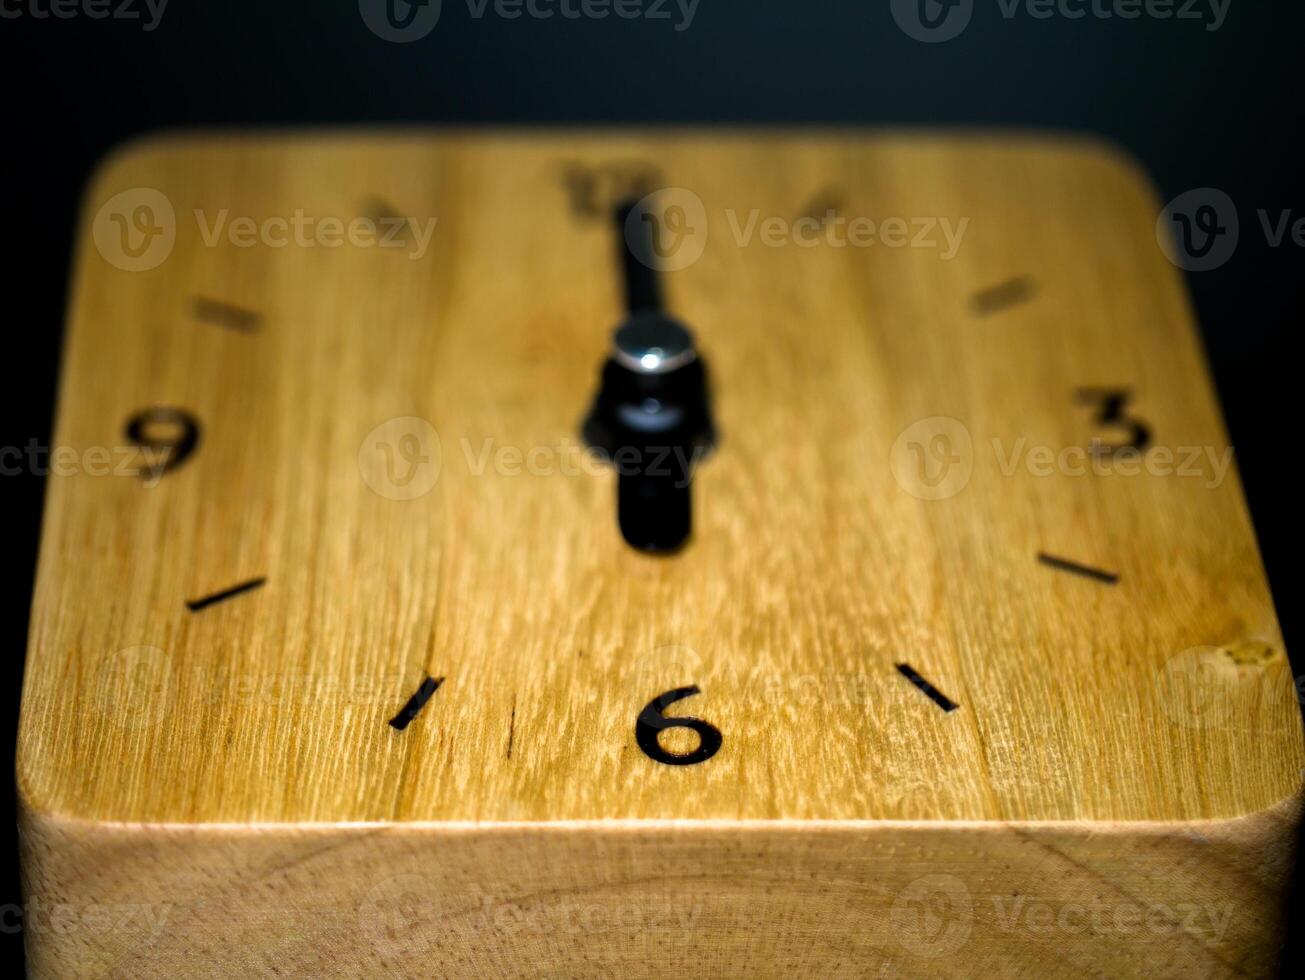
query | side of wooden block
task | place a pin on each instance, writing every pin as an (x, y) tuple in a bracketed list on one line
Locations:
[(600, 900)]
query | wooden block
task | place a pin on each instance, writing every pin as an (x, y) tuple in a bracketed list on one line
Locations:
[(996, 694)]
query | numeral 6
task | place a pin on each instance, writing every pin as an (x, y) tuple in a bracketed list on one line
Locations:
[(652, 722)]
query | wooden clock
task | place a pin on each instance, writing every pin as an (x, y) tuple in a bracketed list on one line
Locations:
[(369, 640)]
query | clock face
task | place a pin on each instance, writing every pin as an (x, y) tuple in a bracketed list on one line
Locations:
[(967, 540)]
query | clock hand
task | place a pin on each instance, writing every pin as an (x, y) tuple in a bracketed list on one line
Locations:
[(637, 231), (651, 416)]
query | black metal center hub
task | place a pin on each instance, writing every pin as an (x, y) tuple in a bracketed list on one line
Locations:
[(652, 421)]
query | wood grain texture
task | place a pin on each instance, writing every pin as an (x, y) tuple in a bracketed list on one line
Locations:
[(1137, 739)]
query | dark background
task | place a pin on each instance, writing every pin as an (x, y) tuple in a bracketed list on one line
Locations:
[(1198, 108)]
